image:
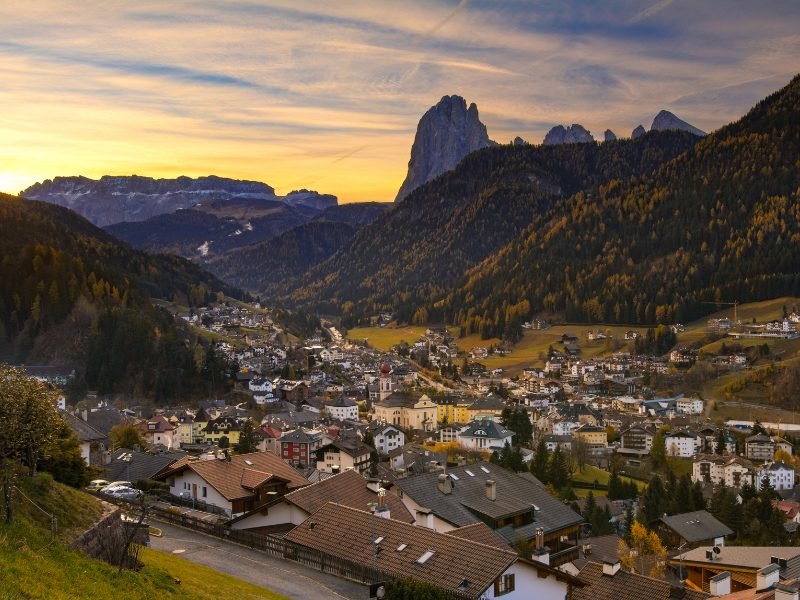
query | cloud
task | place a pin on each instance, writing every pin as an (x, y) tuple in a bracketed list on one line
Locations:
[(649, 11), (281, 90)]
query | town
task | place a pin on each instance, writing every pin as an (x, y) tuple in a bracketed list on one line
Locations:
[(572, 477)]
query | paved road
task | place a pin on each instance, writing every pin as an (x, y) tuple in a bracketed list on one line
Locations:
[(282, 576)]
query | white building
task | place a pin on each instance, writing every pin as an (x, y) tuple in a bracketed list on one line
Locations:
[(780, 475), (564, 427), (343, 408), (681, 443), (689, 406), (485, 435), (386, 438), (728, 471)]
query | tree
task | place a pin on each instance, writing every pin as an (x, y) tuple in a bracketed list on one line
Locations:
[(518, 421), (63, 458), (412, 589), (247, 438), (720, 446), (659, 449), (645, 554), (653, 501), (126, 435), (29, 422), (557, 471), (540, 462)]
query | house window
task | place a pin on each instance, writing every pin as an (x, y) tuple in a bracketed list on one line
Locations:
[(205, 492), (504, 585)]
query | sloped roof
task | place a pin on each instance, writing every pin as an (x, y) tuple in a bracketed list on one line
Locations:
[(746, 557), (228, 477), (625, 586), (453, 561), (512, 492), (481, 533), (697, 526), (486, 429), (399, 399), (348, 489), (131, 465), (84, 431)]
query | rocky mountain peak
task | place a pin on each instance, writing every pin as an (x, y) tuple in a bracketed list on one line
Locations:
[(446, 133), (638, 132), (666, 120), (609, 136), (574, 134)]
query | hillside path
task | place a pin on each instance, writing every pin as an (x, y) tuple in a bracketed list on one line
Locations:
[(281, 576)]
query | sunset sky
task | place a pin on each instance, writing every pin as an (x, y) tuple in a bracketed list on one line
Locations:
[(326, 95)]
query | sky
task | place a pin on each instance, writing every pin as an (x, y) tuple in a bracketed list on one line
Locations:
[(326, 95)]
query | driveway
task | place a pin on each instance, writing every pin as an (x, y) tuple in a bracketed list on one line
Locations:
[(282, 576)]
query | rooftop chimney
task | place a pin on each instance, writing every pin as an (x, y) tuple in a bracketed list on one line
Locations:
[(491, 490), (541, 552), (610, 568), (720, 584), (767, 577), (786, 592), (445, 484)]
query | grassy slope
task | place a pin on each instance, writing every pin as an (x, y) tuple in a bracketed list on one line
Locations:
[(34, 567), (534, 344)]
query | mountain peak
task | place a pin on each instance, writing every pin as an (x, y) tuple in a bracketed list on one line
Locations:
[(638, 132), (446, 133), (666, 120), (574, 134)]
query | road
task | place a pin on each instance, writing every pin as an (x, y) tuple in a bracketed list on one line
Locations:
[(281, 576)]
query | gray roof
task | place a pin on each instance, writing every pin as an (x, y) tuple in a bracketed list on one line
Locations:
[(752, 557), (130, 465), (468, 498), (697, 526), (486, 429), (84, 431)]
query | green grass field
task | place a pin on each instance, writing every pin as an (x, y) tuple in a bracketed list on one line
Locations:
[(33, 566)]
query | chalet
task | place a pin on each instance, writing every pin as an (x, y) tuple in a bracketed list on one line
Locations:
[(347, 488), (344, 455), (682, 443), (693, 529), (728, 471), (750, 567), (234, 485), (759, 447), (513, 505), (342, 408), (386, 437), (92, 442), (222, 428), (457, 565), (485, 434), (780, 475), (298, 447), (159, 430), (637, 438), (608, 580), (133, 465), (269, 439)]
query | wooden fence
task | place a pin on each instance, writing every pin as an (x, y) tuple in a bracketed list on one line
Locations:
[(284, 549)]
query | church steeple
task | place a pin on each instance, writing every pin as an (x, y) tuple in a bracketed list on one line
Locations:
[(385, 388)]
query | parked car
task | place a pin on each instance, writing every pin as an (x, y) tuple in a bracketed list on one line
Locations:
[(123, 483), (97, 484), (116, 487), (123, 493)]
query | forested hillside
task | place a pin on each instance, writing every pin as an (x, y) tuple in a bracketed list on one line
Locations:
[(72, 294), (719, 223), (266, 268), (415, 253)]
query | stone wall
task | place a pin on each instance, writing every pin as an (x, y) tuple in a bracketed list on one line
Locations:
[(106, 538)]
